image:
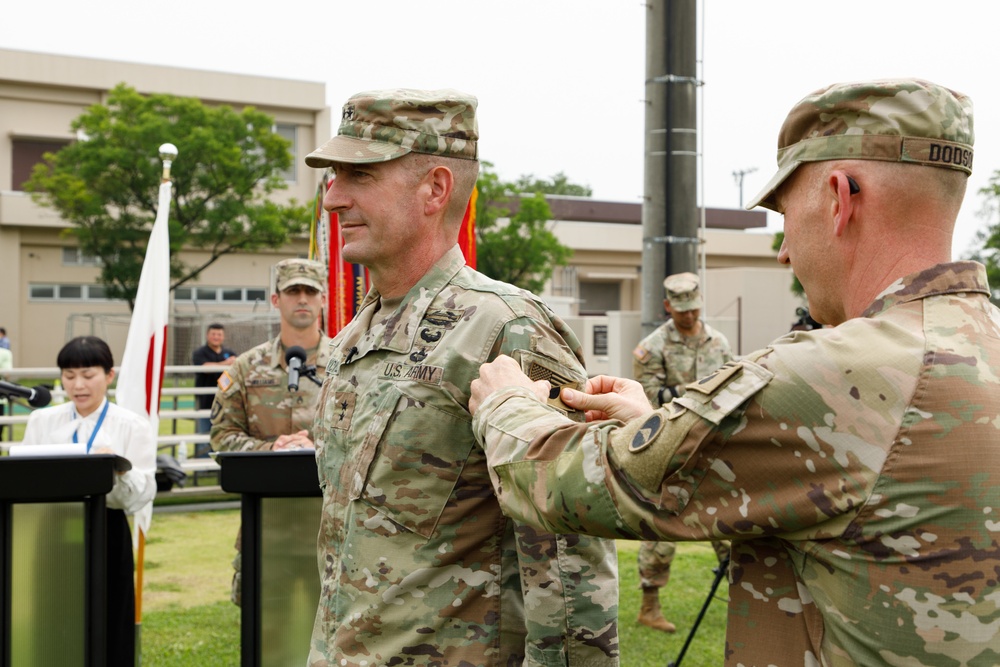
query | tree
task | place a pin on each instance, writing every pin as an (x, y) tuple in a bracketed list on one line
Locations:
[(106, 184), (521, 250), (558, 185), (988, 239)]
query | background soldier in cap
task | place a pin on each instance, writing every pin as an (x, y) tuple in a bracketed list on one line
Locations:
[(418, 564), (254, 409), (855, 468), (681, 350)]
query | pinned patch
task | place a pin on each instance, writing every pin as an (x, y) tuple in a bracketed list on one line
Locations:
[(646, 434), (444, 318), (225, 382)]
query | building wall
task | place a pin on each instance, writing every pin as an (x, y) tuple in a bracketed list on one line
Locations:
[(40, 95)]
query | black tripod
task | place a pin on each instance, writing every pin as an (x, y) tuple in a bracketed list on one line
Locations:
[(720, 572)]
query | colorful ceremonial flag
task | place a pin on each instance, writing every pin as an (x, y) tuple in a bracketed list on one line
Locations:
[(467, 235), (348, 283)]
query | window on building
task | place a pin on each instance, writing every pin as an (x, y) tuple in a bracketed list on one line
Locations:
[(288, 131), (26, 154), (77, 257), (564, 281), (597, 298), (254, 294), (55, 292), (229, 295)]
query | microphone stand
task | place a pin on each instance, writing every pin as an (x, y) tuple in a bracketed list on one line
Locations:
[(310, 373), (720, 572)]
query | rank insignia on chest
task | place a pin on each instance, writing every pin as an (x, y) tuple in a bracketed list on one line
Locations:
[(340, 410)]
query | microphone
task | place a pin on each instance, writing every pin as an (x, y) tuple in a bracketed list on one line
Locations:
[(295, 357), (38, 397)]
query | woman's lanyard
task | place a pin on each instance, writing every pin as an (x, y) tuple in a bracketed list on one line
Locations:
[(97, 426)]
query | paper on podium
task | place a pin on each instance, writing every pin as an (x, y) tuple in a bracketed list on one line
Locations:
[(122, 464)]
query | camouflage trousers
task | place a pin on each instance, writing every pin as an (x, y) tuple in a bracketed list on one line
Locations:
[(655, 559), (236, 594)]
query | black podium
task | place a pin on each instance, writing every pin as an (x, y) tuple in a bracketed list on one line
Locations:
[(281, 504), (53, 564)]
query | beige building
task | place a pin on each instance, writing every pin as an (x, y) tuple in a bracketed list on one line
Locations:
[(51, 291)]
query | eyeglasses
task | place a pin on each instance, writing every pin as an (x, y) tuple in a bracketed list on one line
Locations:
[(852, 186)]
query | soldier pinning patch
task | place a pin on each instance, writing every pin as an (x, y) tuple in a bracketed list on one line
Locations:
[(647, 433)]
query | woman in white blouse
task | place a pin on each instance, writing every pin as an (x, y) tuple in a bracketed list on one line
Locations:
[(86, 371)]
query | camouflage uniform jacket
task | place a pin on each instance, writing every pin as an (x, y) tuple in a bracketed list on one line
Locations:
[(667, 358), (418, 566), (253, 405), (855, 468)]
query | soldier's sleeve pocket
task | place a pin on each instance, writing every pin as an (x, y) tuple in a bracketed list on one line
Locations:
[(415, 453), (719, 394), (544, 367)]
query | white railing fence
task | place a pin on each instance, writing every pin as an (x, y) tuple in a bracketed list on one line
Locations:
[(177, 405)]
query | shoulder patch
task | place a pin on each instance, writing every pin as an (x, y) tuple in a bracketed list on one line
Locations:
[(225, 381), (641, 354), (644, 437)]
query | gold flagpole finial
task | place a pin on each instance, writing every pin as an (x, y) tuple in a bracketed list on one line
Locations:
[(167, 153)]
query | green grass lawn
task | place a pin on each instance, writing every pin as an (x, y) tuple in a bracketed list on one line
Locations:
[(189, 621)]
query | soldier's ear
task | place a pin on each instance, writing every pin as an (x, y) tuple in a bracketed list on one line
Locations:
[(843, 189), (440, 184)]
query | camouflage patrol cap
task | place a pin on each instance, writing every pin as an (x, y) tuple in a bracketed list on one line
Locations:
[(289, 272), (383, 125), (682, 291), (901, 120)]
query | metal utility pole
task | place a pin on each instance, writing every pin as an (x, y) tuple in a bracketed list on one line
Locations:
[(670, 206), (738, 177)]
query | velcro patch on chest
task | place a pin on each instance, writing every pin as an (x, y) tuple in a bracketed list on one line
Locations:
[(262, 382), (425, 374), (340, 410)]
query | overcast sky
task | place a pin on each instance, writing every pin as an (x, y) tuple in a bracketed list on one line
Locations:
[(560, 82)]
